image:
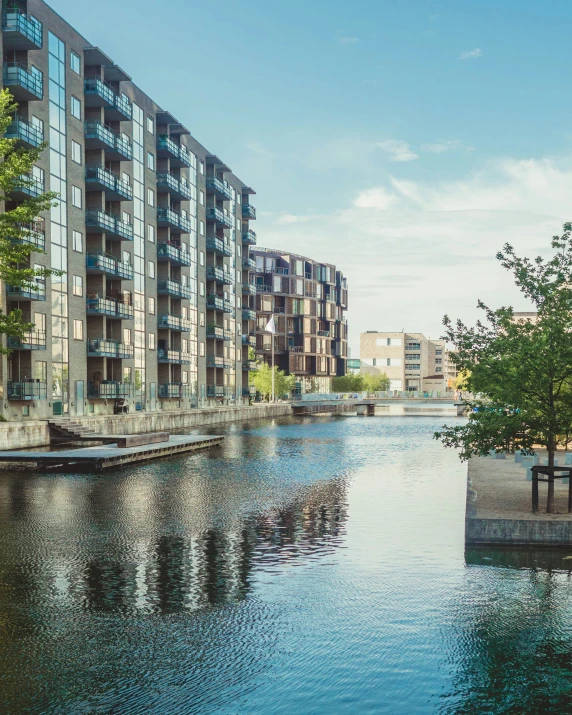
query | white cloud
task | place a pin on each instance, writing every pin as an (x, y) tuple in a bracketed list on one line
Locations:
[(291, 218), (344, 40), (398, 150), (441, 147), (257, 148), (471, 54), (415, 250)]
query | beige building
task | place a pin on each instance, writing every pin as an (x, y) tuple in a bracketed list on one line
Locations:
[(412, 362)]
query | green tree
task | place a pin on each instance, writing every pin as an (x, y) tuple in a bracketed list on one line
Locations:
[(17, 219), (348, 383), (520, 370), (375, 383), (262, 381)]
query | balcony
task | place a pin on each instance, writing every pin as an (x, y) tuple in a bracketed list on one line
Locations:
[(250, 365), (167, 217), (263, 288), (27, 134), (249, 264), (175, 357), (228, 307), (109, 306), (249, 340), (219, 188), (168, 251), (215, 332), (27, 186), (281, 271), (98, 93), (27, 390), (100, 136), (248, 314), (35, 290), (98, 178), (34, 234), (99, 221), (218, 246), (25, 86), (30, 340), (100, 347), (248, 212), (248, 289), (215, 361), (323, 333), (215, 391), (109, 265), (108, 390), (21, 32), (216, 274), (168, 149), (174, 288), (249, 238), (172, 321), (215, 302), (219, 217), (168, 183), (176, 390)]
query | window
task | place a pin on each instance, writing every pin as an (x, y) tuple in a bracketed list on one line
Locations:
[(150, 125), (76, 197), (77, 241), (151, 234), (38, 124), (202, 258), (151, 306), (201, 288), (78, 285), (76, 152), (202, 320), (202, 198), (202, 349), (151, 341), (75, 107), (151, 160), (126, 217), (78, 329), (389, 342), (151, 269), (75, 62), (150, 197), (201, 228), (126, 177), (202, 167)]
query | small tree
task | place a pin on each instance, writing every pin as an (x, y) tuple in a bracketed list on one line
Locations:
[(348, 383), (375, 383), (15, 223), (519, 370), (261, 379)]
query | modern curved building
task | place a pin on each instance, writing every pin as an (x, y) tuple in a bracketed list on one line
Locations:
[(308, 300)]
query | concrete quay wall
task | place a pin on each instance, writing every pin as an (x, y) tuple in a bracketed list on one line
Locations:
[(18, 435), (517, 532)]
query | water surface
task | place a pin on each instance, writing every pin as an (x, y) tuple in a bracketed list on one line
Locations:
[(308, 565)]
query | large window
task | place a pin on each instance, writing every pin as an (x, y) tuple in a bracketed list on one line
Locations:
[(75, 62), (76, 107)]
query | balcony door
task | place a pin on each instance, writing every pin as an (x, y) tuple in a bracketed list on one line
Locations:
[(79, 397)]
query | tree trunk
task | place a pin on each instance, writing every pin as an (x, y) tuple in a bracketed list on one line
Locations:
[(550, 499)]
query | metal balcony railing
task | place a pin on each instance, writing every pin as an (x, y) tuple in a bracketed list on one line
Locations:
[(25, 132), (174, 288), (23, 84), (105, 263), (27, 390), (30, 340), (218, 187), (21, 31)]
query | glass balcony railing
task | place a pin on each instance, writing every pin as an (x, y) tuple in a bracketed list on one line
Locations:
[(111, 266), (214, 273), (100, 347), (249, 340), (21, 32), (249, 238), (174, 185), (248, 289), (97, 87), (215, 361), (28, 185), (35, 290), (27, 390), (174, 288), (33, 233), (173, 356), (248, 314), (25, 132), (30, 340), (177, 153), (215, 302), (175, 220), (215, 215), (215, 332), (228, 307), (176, 390), (217, 245), (110, 307), (248, 211), (99, 135), (103, 222), (24, 85), (249, 263), (263, 288), (174, 322), (169, 251), (104, 180), (99, 93), (218, 187), (215, 391), (109, 390), (250, 365)]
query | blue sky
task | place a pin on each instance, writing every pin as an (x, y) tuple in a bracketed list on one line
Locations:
[(403, 141)]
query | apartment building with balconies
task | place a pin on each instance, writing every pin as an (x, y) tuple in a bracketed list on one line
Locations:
[(152, 232), (308, 300), (412, 362)]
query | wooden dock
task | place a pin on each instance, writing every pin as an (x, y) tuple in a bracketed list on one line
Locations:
[(109, 455)]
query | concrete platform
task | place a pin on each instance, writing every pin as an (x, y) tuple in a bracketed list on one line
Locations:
[(499, 506), (109, 455)]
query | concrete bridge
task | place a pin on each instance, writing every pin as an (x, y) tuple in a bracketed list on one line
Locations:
[(367, 406)]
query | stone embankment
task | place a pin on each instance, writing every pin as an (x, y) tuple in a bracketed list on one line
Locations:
[(499, 506), (19, 435)]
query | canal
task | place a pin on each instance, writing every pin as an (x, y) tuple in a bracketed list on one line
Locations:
[(306, 566)]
